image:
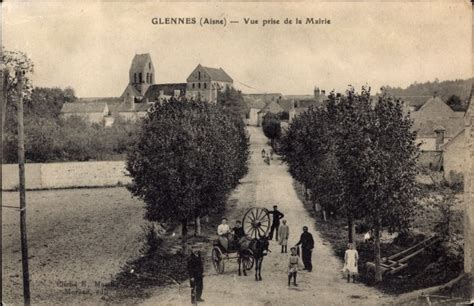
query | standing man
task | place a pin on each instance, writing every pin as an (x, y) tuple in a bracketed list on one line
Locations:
[(307, 246), (277, 215), (196, 271)]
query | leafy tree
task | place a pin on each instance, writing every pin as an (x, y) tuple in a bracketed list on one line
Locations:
[(359, 155), (13, 61), (47, 102), (186, 159), (232, 100), (456, 104), (271, 127)]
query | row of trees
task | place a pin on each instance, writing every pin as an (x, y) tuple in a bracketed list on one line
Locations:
[(359, 158), (454, 92), (186, 159)]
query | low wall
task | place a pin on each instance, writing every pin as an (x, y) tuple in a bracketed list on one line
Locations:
[(66, 175)]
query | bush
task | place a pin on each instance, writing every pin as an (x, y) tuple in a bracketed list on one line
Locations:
[(70, 139), (271, 127), (151, 240)]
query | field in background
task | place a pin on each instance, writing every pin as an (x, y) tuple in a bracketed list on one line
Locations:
[(78, 240)]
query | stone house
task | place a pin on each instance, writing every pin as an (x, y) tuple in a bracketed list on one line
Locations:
[(469, 189), (160, 92), (255, 103), (454, 159), (435, 113), (205, 82), (94, 112), (302, 103)]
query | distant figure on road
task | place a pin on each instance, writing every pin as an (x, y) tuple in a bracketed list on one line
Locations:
[(293, 264), (271, 154), (277, 215), (263, 153), (350, 262), (283, 235), (267, 159), (196, 274), (307, 246)]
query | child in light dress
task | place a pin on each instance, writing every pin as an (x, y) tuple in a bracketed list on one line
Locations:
[(350, 262), (293, 263)]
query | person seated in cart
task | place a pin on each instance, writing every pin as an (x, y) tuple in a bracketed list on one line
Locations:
[(223, 230), (239, 232)]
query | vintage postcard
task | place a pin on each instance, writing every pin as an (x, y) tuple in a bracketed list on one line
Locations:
[(237, 153)]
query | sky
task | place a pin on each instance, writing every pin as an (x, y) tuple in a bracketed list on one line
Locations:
[(90, 45)]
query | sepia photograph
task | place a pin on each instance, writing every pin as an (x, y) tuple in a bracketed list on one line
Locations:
[(237, 153)]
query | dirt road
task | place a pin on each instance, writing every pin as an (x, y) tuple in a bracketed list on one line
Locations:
[(265, 186)]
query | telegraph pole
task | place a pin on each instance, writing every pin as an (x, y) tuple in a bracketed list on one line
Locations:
[(21, 166)]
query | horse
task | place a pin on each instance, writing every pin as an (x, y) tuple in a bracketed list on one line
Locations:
[(256, 248)]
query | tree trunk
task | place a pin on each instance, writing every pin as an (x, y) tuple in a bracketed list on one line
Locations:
[(197, 226), (378, 271), (351, 229), (184, 228)]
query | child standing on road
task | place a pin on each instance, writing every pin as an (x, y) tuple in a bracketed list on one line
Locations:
[(283, 234), (293, 263), (350, 262)]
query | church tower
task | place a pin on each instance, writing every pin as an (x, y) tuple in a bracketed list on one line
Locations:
[(141, 73)]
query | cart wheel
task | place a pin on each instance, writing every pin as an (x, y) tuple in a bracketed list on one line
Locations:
[(248, 262), (256, 222), (218, 260)]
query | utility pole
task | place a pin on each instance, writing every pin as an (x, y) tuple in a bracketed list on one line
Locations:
[(4, 96), (21, 166)]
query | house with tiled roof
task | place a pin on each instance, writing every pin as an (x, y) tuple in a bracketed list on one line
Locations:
[(300, 103), (205, 82), (255, 103), (272, 107), (435, 113), (160, 92), (94, 112)]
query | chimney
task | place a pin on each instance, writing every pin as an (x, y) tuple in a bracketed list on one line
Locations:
[(439, 137)]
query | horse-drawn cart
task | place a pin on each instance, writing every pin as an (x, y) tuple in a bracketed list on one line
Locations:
[(256, 223)]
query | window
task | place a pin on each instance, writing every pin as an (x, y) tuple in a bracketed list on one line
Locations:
[(199, 85), (151, 78), (140, 79), (134, 78), (199, 75), (193, 85), (149, 65), (205, 85)]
